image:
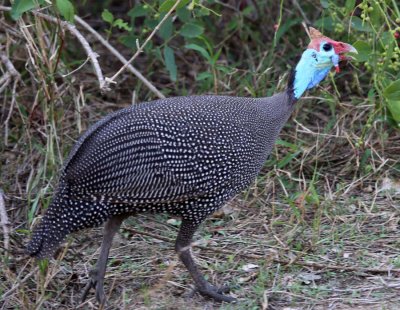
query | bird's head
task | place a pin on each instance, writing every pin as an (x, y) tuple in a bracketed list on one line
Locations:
[(317, 60)]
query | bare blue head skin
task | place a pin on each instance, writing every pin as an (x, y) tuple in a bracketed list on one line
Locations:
[(317, 60)]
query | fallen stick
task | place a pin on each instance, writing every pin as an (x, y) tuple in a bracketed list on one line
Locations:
[(5, 223)]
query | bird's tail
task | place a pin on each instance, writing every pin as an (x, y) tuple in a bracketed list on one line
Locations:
[(64, 216), (48, 234)]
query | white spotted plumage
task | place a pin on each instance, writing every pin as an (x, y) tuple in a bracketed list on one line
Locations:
[(186, 156)]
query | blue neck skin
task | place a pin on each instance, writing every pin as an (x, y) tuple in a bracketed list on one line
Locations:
[(312, 68)]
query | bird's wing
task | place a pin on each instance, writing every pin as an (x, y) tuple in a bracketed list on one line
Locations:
[(128, 159)]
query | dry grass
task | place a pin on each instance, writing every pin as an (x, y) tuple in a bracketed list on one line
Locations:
[(318, 229)]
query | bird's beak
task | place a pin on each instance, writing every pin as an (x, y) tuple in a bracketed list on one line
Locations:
[(342, 49), (351, 49)]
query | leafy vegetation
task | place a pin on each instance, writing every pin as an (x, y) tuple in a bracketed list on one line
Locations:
[(319, 226)]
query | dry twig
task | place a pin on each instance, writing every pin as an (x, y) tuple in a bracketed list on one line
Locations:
[(117, 54), (10, 67), (13, 101), (93, 56), (11, 72), (71, 28), (18, 284), (4, 81), (140, 48), (85, 44), (5, 223)]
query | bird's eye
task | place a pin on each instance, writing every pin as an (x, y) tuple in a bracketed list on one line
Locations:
[(327, 47)]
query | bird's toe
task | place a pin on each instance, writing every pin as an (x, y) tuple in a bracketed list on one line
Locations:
[(100, 296), (97, 283), (214, 292)]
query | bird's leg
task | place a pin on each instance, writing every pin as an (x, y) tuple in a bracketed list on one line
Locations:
[(97, 274), (182, 247)]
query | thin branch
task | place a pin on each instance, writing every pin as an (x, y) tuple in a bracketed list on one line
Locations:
[(16, 286), (4, 81), (117, 54), (11, 73), (10, 67), (5, 223), (306, 29), (91, 54), (140, 48), (13, 101), (71, 28), (298, 7)]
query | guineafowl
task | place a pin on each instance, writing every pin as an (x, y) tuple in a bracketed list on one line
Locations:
[(185, 156)]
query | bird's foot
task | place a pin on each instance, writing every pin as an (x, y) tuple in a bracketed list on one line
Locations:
[(216, 293), (96, 282)]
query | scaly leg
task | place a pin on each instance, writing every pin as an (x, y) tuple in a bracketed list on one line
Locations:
[(97, 274), (182, 247)]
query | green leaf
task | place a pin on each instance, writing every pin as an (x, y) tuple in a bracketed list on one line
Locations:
[(324, 4), (107, 16), (206, 12), (43, 264), (166, 29), (66, 9), (364, 50), (169, 59), (184, 15), (387, 38), (138, 10), (151, 23), (325, 23), (350, 5), (392, 96), (284, 143), (357, 24), (158, 54), (191, 30), (226, 70), (128, 40), (392, 92), (122, 25), (204, 76), (209, 45), (375, 15), (200, 49), (394, 108), (21, 6), (287, 159), (215, 57), (365, 157), (168, 4), (286, 26)]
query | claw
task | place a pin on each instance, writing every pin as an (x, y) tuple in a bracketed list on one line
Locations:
[(86, 290), (182, 247), (216, 293), (97, 284)]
